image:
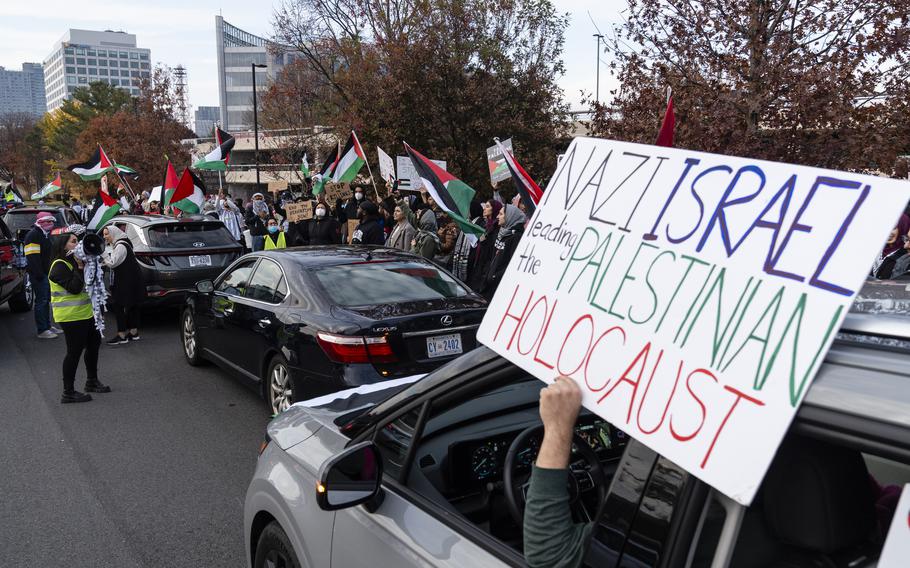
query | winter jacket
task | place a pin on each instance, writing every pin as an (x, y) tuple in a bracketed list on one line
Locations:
[(37, 253), (368, 232)]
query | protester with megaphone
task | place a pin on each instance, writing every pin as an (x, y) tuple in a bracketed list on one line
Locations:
[(73, 310)]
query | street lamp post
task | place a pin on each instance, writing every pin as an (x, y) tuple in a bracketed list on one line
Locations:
[(597, 61), (256, 119)]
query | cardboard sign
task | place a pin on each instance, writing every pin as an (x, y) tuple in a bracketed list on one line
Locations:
[(277, 185), (897, 546), (386, 165), (496, 162), (692, 296), (336, 191), (352, 226), (300, 211), (407, 175)]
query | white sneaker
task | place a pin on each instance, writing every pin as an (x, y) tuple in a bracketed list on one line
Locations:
[(56, 330), (47, 334)]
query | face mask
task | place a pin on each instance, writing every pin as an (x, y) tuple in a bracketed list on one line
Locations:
[(358, 196), (320, 213), (273, 229)]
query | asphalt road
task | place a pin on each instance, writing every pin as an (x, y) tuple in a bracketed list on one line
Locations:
[(152, 474)]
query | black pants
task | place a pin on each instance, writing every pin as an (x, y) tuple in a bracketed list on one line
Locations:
[(127, 317), (80, 336)]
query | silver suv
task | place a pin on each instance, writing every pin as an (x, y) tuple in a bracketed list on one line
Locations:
[(434, 474)]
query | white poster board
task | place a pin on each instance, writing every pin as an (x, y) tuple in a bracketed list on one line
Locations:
[(692, 296), (896, 553), (496, 162), (386, 165), (406, 173)]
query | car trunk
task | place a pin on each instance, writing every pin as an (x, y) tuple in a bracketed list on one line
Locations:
[(424, 334)]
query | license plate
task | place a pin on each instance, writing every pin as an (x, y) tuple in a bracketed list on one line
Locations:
[(444, 345), (200, 260)]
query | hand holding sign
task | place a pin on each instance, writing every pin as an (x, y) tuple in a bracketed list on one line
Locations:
[(692, 296)]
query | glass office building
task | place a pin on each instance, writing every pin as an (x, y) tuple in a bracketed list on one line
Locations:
[(81, 57), (22, 91), (237, 51)]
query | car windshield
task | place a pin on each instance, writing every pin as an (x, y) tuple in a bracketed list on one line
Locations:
[(387, 282), (189, 235), (18, 220)]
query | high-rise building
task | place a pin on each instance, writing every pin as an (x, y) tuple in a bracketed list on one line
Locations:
[(22, 91), (237, 50), (206, 117), (81, 57)]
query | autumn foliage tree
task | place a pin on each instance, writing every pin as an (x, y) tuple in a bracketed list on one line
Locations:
[(447, 76), (822, 83)]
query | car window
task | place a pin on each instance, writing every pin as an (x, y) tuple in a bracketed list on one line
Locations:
[(267, 283), (387, 282), (394, 440), (235, 282), (189, 235)]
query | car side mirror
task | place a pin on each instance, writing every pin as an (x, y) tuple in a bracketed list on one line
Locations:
[(349, 478), (205, 286)]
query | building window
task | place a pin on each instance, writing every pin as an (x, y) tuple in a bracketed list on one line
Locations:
[(124, 55), (92, 62), (71, 60), (91, 52), (80, 51), (134, 55), (102, 62), (144, 74), (144, 56), (144, 65), (134, 64), (102, 72), (124, 73), (80, 61), (70, 80), (92, 71), (70, 69), (80, 70), (83, 80), (102, 53), (68, 51)]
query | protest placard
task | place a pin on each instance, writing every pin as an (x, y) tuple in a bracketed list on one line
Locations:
[(299, 211), (352, 226), (496, 162), (896, 551), (336, 191), (407, 175), (692, 296), (277, 185), (386, 165)]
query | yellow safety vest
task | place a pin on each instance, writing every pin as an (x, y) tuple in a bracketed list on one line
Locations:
[(270, 244), (69, 307)]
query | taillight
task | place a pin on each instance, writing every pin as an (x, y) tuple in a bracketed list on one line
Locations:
[(356, 349), (146, 259), (264, 444)]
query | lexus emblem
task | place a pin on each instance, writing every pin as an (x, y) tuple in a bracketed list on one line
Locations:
[(199, 244), (446, 320)]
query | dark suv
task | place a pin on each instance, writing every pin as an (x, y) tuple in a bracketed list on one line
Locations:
[(176, 253), (15, 286), (21, 219)]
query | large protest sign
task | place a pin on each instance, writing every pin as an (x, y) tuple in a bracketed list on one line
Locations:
[(336, 191), (496, 162), (386, 165), (407, 175), (299, 211), (692, 296)]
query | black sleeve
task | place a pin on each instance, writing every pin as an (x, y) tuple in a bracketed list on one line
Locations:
[(35, 264), (70, 279), (887, 267)]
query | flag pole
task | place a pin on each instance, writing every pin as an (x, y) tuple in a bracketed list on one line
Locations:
[(371, 177)]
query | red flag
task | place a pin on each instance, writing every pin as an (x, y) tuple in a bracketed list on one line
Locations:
[(665, 136)]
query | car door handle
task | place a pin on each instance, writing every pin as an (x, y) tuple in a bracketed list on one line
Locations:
[(228, 311), (265, 322)]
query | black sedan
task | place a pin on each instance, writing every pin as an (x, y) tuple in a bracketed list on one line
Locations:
[(302, 322)]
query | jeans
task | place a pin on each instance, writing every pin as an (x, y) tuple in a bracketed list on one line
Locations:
[(127, 318), (42, 309), (80, 336), (258, 242)]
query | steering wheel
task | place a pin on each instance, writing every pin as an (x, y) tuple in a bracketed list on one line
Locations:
[(580, 481)]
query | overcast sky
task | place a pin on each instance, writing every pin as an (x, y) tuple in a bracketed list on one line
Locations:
[(181, 32)]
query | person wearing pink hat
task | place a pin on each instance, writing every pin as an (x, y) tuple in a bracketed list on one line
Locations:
[(38, 253)]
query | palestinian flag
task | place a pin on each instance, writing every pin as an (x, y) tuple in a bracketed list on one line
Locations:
[(350, 161), (168, 185), (106, 207), (190, 193), (126, 171), (325, 172), (529, 191), (451, 194), (305, 166), (49, 188), (95, 168), (217, 159)]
